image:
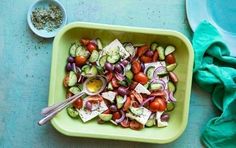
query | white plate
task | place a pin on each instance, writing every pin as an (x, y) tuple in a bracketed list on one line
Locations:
[(220, 13)]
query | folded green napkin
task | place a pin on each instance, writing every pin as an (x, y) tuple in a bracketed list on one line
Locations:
[(215, 72)]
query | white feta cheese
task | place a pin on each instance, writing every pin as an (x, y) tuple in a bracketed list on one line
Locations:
[(87, 115), (109, 95), (143, 118), (159, 122), (141, 89)]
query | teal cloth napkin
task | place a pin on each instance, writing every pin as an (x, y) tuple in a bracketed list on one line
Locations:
[(215, 72)]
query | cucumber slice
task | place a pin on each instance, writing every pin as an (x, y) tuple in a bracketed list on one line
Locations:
[(171, 86), (155, 86), (103, 60), (105, 117), (129, 75), (113, 51), (79, 50), (85, 69), (170, 106), (72, 112), (109, 86), (123, 83), (99, 44), (150, 122), (100, 70), (113, 58), (150, 71), (119, 102), (136, 111), (72, 79), (73, 49), (169, 49), (146, 85), (171, 67), (154, 46), (94, 56), (161, 52), (93, 71), (75, 90), (130, 48)]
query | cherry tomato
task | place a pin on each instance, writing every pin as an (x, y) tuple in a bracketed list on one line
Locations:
[(155, 56), (127, 104), (158, 93), (125, 123), (136, 67), (80, 60), (84, 41), (141, 50), (107, 111), (141, 78), (91, 47), (109, 76), (78, 103), (135, 125), (158, 104), (146, 59), (114, 82), (170, 59), (138, 96), (116, 115), (95, 99), (133, 85)]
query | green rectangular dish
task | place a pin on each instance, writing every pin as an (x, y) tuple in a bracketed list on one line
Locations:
[(184, 56)]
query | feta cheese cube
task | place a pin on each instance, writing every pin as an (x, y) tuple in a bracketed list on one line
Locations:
[(141, 89), (143, 118), (109, 95)]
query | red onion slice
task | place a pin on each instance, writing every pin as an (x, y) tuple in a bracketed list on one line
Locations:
[(121, 118), (171, 97), (158, 70), (94, 42), (119, 76), (159, 81), (147, 100)]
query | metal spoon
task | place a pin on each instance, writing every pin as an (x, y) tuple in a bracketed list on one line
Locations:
[(51, 111)]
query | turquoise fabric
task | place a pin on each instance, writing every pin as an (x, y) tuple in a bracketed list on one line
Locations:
[(215, 72)]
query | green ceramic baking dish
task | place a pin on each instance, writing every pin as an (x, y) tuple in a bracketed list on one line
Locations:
[(184, 55)]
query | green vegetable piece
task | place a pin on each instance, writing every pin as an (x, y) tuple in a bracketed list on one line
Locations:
[(72, 112), (73, 50), (171, 86), (72, 79), (100, 70), (128, 67), (103, 60), (171, 67), (169, 49), (123, 83), (75, 90), (129, 74), (155, 86), (99, 43), (147, 85), (136, 111), (85, 69), (113, 58), (150, 122), (161, 52), (130, 48), (154, 46), (79, 49), (119, 102), (92, 71), (105, 117), (109, 86), (94, 56), (150, 72), (170, 106), (80, 86)]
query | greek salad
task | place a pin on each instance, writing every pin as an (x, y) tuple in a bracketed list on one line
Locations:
[(140, 82)]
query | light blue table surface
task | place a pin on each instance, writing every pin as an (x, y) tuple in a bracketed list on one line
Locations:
[(25, 68)]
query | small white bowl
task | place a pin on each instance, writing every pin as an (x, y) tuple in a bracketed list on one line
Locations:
[(45, 3)]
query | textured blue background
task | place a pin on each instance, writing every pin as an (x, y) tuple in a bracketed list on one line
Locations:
[(25, 68)]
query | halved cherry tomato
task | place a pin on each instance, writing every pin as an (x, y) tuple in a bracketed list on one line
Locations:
[(141, 50), (80, 60), (95, 98), (91, 47), (138, 96), (155, 56), (141, 78), (135, 125), (116, 115), (136, 66), (107, 111), (146, 59), (84, 41), (78, 103), (114, 82), (133, 85), (158, 104), (125, 123), (109, 76), (158, 93), (127, 104), (170, 59)]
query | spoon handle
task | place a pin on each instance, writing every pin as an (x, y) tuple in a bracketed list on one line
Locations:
[(58, 109), (47, 110)]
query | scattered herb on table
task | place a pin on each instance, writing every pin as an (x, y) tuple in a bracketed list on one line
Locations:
[(47, 18)]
